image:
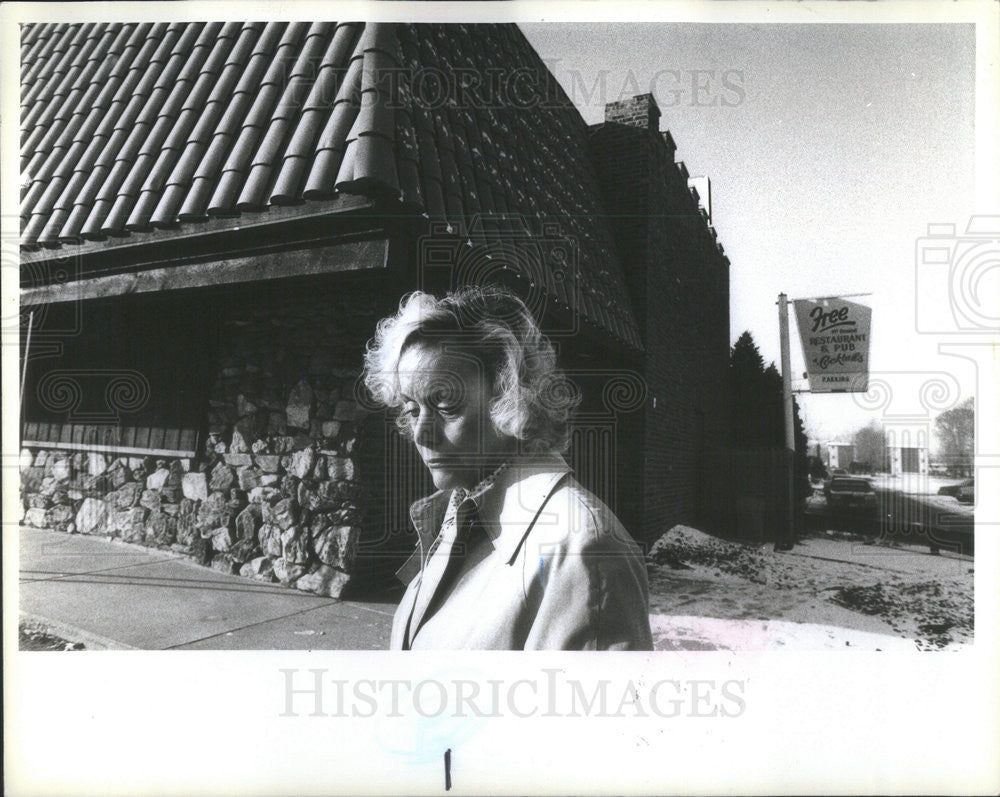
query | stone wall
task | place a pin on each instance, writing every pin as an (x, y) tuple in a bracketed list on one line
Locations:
[(276, 492)]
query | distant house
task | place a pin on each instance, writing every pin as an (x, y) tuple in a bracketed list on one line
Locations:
[(214, 216), (908, 450), (840, 455)]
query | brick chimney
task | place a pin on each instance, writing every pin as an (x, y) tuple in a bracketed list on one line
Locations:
[(638, 111)]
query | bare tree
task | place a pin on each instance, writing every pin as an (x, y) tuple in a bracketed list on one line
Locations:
[(956, 431), (870, 447)]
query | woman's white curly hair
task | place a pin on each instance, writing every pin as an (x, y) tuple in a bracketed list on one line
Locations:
[(533, 400)]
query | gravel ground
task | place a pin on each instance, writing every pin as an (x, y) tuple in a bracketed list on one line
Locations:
[(830, 579)]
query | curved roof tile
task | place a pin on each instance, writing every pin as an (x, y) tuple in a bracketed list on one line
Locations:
[(135, 126)]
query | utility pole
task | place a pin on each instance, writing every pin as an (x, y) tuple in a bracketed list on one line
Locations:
[(785, 539)]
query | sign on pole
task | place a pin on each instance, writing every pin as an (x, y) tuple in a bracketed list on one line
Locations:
[(835, 336)]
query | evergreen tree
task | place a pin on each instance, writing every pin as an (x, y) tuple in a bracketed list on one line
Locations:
[(757, 412)]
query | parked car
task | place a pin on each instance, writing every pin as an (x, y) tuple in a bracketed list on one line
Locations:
[(850, 494), (964, 492)]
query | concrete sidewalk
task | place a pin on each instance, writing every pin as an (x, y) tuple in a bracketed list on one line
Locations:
[(112, 595)]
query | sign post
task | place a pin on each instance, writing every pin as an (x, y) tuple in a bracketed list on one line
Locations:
[(785, 540), (836, 335)]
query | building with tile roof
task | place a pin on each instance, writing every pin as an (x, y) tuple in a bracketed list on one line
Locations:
[(214, 215)]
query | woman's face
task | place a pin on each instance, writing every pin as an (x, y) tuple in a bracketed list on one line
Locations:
[(446, 402)]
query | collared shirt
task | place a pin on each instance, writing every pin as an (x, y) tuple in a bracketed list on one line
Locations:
[(476, 495), (548, 566)]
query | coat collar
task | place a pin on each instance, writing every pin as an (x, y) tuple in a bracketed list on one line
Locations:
[(508, 510)]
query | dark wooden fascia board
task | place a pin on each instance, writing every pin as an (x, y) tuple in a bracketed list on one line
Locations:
[(369, 253), (280, 227)]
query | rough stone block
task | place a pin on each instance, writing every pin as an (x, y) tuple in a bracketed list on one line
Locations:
[(39, 501), (264, 495), (161, 529), (211, 510), (61, 470), (250, 428), (119, 474), (299, 407), (96, 464), (187, 516), (32, 478), (201, 550), (303, 462), (285, 513), (151, 499), (259, 569), (238, 460), (288, 572), (248, 478), (276, 424), (225, 564), (157, 479), (295, 545), (269, 537), (249, 521), (290, 486), (223, 539), (269, 463), (237, 443), (337, 546), (176, 477), (127, 495), (324, 580), (195, 486), (244, 550), (222, 477), (340, 468), (319, 470), (59, 517), (36, 517)]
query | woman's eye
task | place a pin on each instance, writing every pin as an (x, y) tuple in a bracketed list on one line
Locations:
[(448, 409)]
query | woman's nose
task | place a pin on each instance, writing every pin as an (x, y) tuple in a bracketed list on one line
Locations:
[(423, 429)]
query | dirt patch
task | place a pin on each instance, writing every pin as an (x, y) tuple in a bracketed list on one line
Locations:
[(34, 636), (837, 579), (940, 613)]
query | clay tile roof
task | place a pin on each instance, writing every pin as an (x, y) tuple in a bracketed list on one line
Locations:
[(150, 127)]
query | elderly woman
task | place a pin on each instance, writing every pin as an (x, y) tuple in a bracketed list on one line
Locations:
[(513, 553)]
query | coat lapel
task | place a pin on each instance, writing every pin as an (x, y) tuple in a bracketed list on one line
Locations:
[(508, 514)]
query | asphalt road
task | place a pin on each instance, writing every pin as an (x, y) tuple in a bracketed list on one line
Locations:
[(939, 522)]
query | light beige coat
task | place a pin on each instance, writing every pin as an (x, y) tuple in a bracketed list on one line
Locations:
[(549, 567)]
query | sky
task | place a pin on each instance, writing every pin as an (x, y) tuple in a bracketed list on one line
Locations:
[(830, 149)]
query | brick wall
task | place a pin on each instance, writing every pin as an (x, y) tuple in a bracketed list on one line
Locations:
[(679, 283)]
